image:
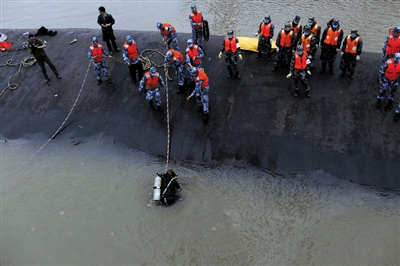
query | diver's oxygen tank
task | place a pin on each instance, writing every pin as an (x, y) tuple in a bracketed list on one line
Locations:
[(157, 188)]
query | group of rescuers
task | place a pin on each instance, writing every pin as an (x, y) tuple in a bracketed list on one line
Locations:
[(296, 49)]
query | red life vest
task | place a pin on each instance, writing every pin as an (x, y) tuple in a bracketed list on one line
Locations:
[(97, 51), (151, 81), (351, 45), (165, 31), (230, 45), (393, 45), (176, 56), (300, 61), (197, 18), (306, 42), (132, 50), (393, 70), (332, 37), (203, 77), (193, 52), (266, 29), (286, 39)]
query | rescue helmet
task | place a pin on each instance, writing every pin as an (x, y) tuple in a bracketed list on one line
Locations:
[(267, 18), (287, 26), (168, 54), (354, 33), (159, 25), (129, 39), (311, 18), (194, 71), (335, 23), (296, 19), (153, 71), (94, 40), (230, 34), (307, 29), (397, 57), (193, 7), (189, 42)]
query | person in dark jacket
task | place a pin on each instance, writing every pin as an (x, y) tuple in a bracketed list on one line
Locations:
[(330, 44), (285, 43), (106, 21), (169, 186), (351, 50)]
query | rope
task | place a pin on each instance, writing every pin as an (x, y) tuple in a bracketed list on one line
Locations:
[(65, 120), (168, 127), (25, 62)]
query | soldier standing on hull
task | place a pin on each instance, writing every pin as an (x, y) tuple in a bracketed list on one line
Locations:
[(196, 22), (132, 59), (295, 26), (266, 33), (176, 59), (231, 47), (309, 43), (152, 81), (389, 76), (97, 54), (285, 43), (351, 50), (298, 69), (330, 44)]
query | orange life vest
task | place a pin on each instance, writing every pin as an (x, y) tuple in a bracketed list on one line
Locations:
[(193, 52), (266, 29), (332, 37), (203, 77), (393, 45), (306, 42), (151, 81), (295, 29), (132, 50), (97, 51), (351, 45), (314, 29), (393, 70), (286, 39), (176, 56), (166, 32), (230, 45), (300, 61), (197, 18)]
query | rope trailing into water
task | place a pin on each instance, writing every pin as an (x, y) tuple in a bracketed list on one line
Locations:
[(25, 62), (70, 112), (168, 126)]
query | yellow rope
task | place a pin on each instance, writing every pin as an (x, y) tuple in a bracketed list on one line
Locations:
[(25, 62), (168, 127), (70, 112)]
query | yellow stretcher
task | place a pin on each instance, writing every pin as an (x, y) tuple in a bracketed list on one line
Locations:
[(251, 43)]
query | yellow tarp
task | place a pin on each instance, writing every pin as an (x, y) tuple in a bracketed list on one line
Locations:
[(250, 44)]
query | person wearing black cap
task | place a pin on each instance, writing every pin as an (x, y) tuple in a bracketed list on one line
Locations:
[(351, 50), (36, 48), (231, 47), (295, 26), (330, 44), (196, 22), (265, 32), (131, 57), (97, 53)]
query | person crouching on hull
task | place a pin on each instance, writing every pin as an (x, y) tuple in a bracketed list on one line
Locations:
[(169, 187)]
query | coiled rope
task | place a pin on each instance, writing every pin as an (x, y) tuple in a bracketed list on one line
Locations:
[(25, 62)]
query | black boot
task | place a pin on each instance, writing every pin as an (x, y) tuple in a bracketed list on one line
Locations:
[(180, 89), (322, 70), (151, 105), (275, 68), (238, 76), (331, 71), (205, 118), (229, 73), (396, 117), (296, 92), (351, 76), (308, 95), (390, 104), (258, 55), (159, 109), (200, 109), (378, 103), (342, 74), (99, 81)]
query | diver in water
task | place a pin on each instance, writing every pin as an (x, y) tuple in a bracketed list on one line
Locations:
[(169, 186)]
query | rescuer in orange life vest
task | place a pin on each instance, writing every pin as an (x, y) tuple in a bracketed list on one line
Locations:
[(97, 54), (265, 32), (309, 43), (298, 70), (168, 34), (196, 22), (152, 81), (285, 43), (295, 26), (330, 44), (351, 50), (231, 47), (391, 44), (315, 28), (131, 57), (389, 76), (201, 91)]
